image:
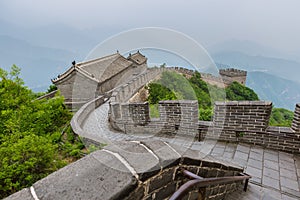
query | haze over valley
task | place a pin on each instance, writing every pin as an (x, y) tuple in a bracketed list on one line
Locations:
[(43, 40)]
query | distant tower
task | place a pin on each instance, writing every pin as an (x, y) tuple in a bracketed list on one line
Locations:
[(230, 75)]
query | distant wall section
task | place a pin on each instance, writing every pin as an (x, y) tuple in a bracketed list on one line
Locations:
[(225, 78)]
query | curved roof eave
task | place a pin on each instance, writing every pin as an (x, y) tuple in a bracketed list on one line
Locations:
[(70, 71)]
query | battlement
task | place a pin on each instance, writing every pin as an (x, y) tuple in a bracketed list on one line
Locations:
[(227, 76), (234, 121), (296, 120), (180, 117), (231, 72)]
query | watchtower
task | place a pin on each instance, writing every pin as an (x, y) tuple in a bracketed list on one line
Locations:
[(232, 75)]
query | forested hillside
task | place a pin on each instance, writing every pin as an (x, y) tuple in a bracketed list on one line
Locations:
[(35, 138), (173, 86)]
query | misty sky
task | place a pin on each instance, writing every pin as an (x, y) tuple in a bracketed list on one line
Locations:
[(274, 23)]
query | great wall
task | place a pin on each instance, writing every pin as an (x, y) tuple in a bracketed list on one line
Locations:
[(144, 157)]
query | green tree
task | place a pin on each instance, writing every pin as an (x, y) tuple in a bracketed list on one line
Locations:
[(281, 117), (178, 84), (158, 92), (239, 92), (25, 160), (31, 144), (174, 86), (51, 88)]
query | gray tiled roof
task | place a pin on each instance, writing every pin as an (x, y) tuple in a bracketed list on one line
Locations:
[(105, 67), (137, 58), (116, 66), (101, 69)]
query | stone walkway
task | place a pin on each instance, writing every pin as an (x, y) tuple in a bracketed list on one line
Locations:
[(275, 175)]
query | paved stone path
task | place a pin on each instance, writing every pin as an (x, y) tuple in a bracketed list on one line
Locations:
[(275, 175)]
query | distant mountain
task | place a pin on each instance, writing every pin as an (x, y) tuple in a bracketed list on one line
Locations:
[(287, 69), (282, 92), (250, 48), (38, 64), (60, 36)]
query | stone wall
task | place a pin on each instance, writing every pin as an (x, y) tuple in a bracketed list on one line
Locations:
[(126, 91), (117, 172), (49, 95), (214, 80), (77, 88), (243, 115), (82, 114), (227, 76), (243, 121), (131, 87), (234, 75), (165, 183), (179, 117), (296, 120), (176, 117), (187, 72), (248, 122), (120, 78)]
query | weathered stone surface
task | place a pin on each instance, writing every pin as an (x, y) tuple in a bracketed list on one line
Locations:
[(166, 154), (145, 163), (93, 177), (165, 192), (160, 181), (21, 195), (296, 119), (242, 115)]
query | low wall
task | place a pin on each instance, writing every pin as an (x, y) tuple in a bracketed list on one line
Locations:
[(244, 115), (82, 114), (126, 91), (166, 182), (236, 121), (131, 87), (296, 120), (213, 80), (247, 122), (120, 78), (49, 95), (116, 172), (187, 72), (176, 117), (226, 77)]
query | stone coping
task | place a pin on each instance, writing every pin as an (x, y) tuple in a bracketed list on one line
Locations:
[(116, 170)]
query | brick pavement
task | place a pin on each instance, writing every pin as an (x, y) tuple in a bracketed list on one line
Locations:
[(275, 174)]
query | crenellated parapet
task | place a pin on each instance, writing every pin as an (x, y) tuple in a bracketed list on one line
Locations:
[(296, 120), (225, 78), (124, 92), (248, 122), (234, 121), (232, 75), (175, 117), (232, 72), (242, 115)]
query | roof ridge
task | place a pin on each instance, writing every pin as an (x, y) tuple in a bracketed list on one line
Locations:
[(86, 73), (77, 69), (97, 59), (61, 76)]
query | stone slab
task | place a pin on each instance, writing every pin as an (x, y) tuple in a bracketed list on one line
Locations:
[(21, 195), (99, 175), (166, 154), (145, 163)]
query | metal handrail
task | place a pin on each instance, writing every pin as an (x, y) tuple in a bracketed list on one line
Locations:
[(203, 182)]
